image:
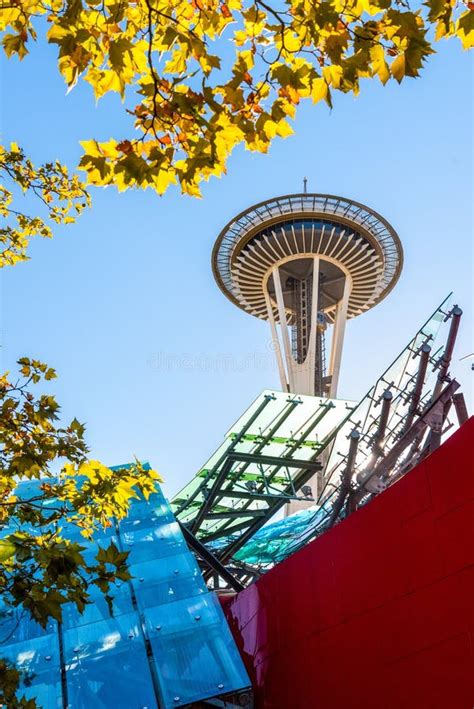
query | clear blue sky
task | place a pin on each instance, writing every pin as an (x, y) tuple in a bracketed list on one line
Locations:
[(148, 351)]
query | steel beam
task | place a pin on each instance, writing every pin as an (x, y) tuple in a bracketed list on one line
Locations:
[(229, 551), (248, 458), (234, 514), (209, 501), (212, 562), (224, 532), (445, 360), (292, 404), (242, 495), (418, 388), (275, 460), (387, 397)]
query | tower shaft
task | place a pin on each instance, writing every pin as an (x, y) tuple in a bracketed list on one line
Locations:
[(299, 330)]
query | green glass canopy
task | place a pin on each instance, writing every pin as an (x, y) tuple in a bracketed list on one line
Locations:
[(265, 460)]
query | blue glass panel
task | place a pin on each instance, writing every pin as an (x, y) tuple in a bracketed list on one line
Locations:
[(151, 513), (35, 654), (37, 659), (98, 609), (46, 691), (166, 580), (167, 569), (105, 657), (27, 490), (195, 654), (91, 548), (153, 542), (126, 466), (107, 666), (17, 626), (73, 532)]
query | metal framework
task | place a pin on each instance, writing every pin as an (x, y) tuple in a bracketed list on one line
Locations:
[(398, 423), (265, 462), (302, 262)]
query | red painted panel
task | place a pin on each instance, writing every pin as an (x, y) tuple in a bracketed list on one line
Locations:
[(455, 537), (377, 613)]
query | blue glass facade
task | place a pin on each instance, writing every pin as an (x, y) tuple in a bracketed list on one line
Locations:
[(167, 645)]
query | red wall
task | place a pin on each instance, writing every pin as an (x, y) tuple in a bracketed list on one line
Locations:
[(378, 612)]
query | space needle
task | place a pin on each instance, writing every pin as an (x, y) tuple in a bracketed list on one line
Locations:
[(307, 263)]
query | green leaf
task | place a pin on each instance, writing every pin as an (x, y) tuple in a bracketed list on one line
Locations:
[(7, 551)]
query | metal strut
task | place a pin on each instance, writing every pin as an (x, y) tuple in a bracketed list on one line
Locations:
[(443, 365), (346, 478), (445, 360), (420, 380), (416, 432), (208, 557)]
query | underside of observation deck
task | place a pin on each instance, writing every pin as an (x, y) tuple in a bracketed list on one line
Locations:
[(347, 235)]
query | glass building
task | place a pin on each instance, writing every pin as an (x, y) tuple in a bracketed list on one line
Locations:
[(167, 644)]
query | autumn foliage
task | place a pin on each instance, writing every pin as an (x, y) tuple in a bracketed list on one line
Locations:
[(40, 568), (63, 197), (199, 77)]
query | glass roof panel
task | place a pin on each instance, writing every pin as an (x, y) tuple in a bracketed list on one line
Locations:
[(266, 457)]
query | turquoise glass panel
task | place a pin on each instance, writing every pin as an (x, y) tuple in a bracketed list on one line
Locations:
[(153, 542), (111, 661), (166, 581), (98, 609), (37, 658), (199, 655), (107, 666)]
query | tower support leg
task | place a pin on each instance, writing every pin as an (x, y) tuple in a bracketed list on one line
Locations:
[(276, 345), (338, 338), (284, 326)]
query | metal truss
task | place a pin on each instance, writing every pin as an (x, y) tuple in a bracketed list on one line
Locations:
[(260, 467), (211, 561), (396, 425)]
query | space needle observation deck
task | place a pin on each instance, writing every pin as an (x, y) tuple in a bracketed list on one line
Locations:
[(306, 263)]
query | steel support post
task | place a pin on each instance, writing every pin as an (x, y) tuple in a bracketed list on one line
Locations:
[(420, 380), (383, 420), (346, 477), (448, 350), (461, 408), (436, 423), (377, 448), (386, 465), (338, 337)]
